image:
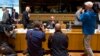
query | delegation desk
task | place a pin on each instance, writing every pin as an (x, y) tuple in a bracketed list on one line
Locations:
[(75, 40)]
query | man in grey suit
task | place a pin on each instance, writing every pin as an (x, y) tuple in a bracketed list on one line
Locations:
[(5, 16), (3, 24), (77, 15)]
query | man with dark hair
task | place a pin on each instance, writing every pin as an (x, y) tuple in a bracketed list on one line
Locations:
[(58, 42), (77, 15), (14, 16), (34, 40)]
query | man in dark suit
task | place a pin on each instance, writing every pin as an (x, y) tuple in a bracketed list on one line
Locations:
[(25, 17), (98, 19), (58, 42), (14, 16)]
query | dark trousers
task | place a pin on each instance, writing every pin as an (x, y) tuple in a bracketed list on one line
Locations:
[(36, 52)]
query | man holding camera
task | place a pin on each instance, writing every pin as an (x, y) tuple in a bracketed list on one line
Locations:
[(88, 18)]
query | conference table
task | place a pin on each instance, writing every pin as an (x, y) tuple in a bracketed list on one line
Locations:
[(75, 39)]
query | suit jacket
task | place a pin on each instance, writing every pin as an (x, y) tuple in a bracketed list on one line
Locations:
[(98, 21), (15, 15), (77, 16), (5, 17), (58, 42), (51, 25), (25, 17)]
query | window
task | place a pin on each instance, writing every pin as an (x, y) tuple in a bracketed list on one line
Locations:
[(52, 6), (10, 3)]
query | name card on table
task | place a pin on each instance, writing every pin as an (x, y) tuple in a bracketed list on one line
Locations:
[(21, 30)]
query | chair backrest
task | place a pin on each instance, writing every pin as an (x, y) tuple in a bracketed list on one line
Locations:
[(63, 26)]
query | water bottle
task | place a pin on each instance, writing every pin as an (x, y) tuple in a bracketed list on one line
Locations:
[(69, 26)]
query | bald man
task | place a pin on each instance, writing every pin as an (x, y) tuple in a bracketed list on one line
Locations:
[(26, 17), (51, 23), (57, 27), (58, 42), (88, 19)]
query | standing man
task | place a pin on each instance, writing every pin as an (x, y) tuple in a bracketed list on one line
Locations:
[(34, 40), (25, 17), (9, 20), (88, 19), (77, 16), (98, 20), (58, 42), (14, 16), (5, 16)]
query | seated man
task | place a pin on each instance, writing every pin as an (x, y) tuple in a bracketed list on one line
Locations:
[(58, 42), (34, 40), (51, 23)]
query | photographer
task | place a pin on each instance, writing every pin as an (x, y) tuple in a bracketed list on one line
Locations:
[(88, 19), (34, 40)]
